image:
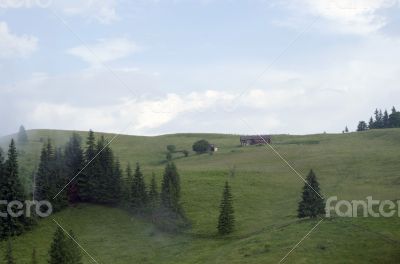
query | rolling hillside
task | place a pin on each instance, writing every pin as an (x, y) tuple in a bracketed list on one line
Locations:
[(266, 192)]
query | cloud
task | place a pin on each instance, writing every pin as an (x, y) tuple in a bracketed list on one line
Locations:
[(14, 46), (106, 50), (355, 16), (101, 11)]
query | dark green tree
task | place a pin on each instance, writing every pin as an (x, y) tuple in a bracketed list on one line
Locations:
[(11, 190), (371, 123), (9, 258), (385, 119), (74, 163), (201, 146), (362, 126), (312, 202), (85, 182), (58, 250), (171, 148), (394, 118), (22, 136), (226, 219), (138, 190), (74, 254), (153, 192), (171, 189)]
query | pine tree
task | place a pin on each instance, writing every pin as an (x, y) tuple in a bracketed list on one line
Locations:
[(58, 251), (226, 220), (85, 183), (74, 163), (170, 189), (11, 190), (362, 126), (138, 190), (127, 186), (312, 204), (346, 130), (153, 193), (22, 136), (385, 119), (74, 253), (34, 258), (371, 123), (9, 259)]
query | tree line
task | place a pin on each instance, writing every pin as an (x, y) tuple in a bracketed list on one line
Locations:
[(381, 119)]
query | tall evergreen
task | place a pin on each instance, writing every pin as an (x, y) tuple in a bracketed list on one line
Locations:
[(63, 249), (50, 177), (170, 189), (9, 258), (85, 182), (11, 190), (311, 204), (138, 190), (106, 184), (385, 119), (22, 136), (153, 192), (362, 126), (74, 162), (226, 219), (74, 253)]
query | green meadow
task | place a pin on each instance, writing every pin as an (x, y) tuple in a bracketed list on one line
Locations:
[(266, 192)]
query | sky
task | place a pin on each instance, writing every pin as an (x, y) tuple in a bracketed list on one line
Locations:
[(217, 66)]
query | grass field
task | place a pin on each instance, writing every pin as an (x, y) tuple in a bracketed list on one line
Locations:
[(266, 192)]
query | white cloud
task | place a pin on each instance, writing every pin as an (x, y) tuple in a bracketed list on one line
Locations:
[(348, 16), (105, 50), (12, 45), (102, 11)]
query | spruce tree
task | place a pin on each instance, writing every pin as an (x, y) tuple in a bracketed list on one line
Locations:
[(22, 136), (371, 123), (153, 192), (59, 250), (226, 219), (74, 163), (385, 119), (85, 183), (138, 190), (311, 205), (11, 190), (170, 189), (74, 253), (9, 258)]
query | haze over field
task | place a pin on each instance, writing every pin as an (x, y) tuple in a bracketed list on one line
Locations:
[(157, 67)]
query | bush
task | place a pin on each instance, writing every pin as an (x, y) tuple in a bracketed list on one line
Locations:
[(171, 148), (201, 146)]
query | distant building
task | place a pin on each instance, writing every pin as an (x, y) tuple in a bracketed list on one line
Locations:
[(213, 148), (255, 140)]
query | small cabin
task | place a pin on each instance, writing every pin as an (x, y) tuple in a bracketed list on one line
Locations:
[(213, 148), (255, 140)]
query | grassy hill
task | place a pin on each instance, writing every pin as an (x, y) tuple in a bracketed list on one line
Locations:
[(266, 192)]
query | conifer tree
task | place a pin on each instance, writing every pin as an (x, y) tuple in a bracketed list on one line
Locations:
[(170, 189), (11, 190), (312, 204), (226, 220), (153, 192), (22, 136), (127, 186), (74, 253), (371, 123), (9, 258), (74, 163), (58, 250), (138, 190), (385, 119), (85, 183)]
